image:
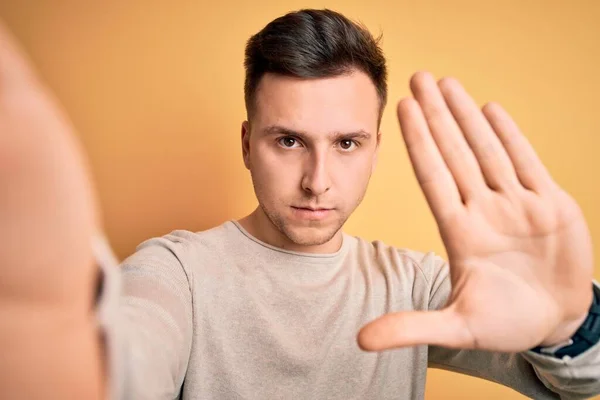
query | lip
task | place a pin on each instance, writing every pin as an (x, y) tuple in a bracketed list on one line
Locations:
[(312, 213)]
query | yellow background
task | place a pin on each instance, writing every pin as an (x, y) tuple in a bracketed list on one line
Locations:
[(155, 90)]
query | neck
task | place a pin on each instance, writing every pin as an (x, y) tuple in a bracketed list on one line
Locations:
[(260, 226)]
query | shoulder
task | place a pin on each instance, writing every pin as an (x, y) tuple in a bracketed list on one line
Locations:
[(423, 275), (399, 259), (181, 247), (177, 258)]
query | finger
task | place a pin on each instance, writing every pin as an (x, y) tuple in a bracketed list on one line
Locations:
[(447, 135), (495, 164), (439, 328), (529, 169), (14, 67), (430, 169)]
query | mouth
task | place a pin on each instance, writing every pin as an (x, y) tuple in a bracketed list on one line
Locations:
[(313, 208), (312, 213)]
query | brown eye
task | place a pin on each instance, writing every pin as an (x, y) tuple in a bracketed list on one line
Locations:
[(346, 144), (287, 141)]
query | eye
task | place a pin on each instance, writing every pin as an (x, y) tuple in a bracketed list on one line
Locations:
[(346, 144), (288, 142)]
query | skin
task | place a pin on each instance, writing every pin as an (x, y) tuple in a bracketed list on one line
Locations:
[(310, 143), (48, 333), (519, 248)]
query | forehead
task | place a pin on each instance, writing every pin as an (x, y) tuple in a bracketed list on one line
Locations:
[(346, 102)]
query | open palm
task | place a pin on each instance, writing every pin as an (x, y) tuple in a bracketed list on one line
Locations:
[(520, 253)]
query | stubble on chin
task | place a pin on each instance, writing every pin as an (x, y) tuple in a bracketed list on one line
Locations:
[(307, 235)]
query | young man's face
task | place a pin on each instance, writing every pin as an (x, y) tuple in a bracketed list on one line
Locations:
[(311, 148)]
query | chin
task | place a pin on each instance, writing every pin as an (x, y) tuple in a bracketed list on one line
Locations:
[(309, 235), (304, 233)]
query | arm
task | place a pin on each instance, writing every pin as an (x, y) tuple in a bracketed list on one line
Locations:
[(519, 249), (48, 333), (54, 343), (151, 323)]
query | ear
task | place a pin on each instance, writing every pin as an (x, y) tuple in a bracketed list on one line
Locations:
[(246, 143), (376, 154)]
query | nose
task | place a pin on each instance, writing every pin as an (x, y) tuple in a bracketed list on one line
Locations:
[(316, 179)]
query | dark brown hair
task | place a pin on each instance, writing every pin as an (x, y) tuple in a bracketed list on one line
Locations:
[(313, 44)]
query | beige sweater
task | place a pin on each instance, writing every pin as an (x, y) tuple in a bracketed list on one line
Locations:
[(221, 315)]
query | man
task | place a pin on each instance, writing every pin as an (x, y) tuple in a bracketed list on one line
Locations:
[(281, 303)]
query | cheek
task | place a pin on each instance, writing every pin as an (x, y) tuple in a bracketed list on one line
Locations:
[(274, 174), (353, 175), (357, 168)]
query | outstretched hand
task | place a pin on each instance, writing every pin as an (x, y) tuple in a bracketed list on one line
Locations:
[(519, 250), (47, 208), (49, 340)]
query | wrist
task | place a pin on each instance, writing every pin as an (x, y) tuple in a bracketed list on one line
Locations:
[(585, 336), (565, 332)]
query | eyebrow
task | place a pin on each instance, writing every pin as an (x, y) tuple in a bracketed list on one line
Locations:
[(281, 130)]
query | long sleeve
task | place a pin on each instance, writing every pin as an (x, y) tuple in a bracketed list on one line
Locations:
[(534, 375), (145, 312)]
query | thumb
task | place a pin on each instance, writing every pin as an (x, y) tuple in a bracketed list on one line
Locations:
[(443, 328)]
